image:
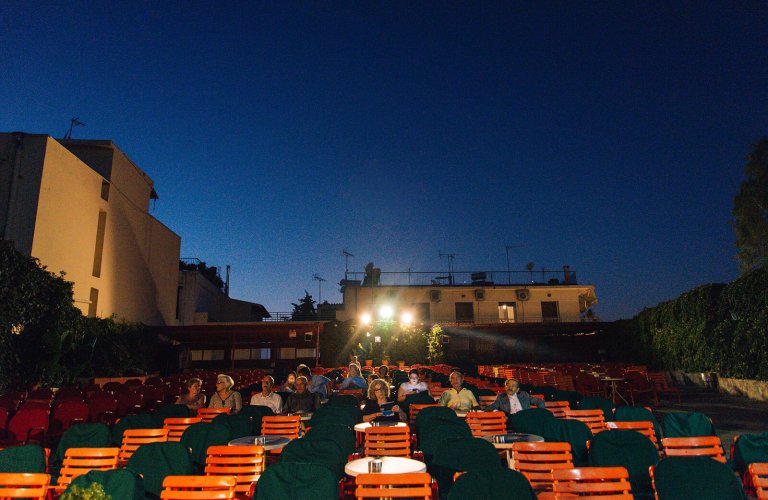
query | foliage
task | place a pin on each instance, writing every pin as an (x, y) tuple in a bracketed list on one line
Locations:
[(210, 273), (750, 210), (434, 344), (305, 309), (341, 339), (94, 491), (720, 328)]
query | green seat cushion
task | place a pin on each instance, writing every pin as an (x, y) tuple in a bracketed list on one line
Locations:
[(343, 436), (119, 484), (683, 424), (297, 481), (20, 459), (696, 478), (325, 452), (155, 461), (750, 448), (198, 437), (140, 421), (628, 449), (493, 484), (95, 435)]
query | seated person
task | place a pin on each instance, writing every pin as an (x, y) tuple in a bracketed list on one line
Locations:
[(354, 380), (457, 397), (302, 401), (384, 373), (378, 401), (267, 397), (290, 383), (194, 399), (413, 386), (318, 384), (513, 399), (225, 397)]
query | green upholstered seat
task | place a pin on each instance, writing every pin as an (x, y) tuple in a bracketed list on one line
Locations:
[(492, 484), (29, 458), (569, 431), (344, 415), (119, 484), (628, 449), (461, 455), (343, 436), (95, 435), (421, 398), (297, 481), (638, 414), (198, 437), (531, 421), (238, 425), (441, 429), (684, 424), (155, 461), (325, 452), (257, 413), (596, 403), (750, 448), (696, 478), (170, 411)]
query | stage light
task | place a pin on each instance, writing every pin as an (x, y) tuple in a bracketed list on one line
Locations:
[(365, 318), (386, 311), (406, 318)]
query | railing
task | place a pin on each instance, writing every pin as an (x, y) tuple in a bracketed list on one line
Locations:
[(462, 278)]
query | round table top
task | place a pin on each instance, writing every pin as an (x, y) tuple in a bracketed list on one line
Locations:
[(273, 442), (364, 425), (390, 465), (304, 416), (514, 437)]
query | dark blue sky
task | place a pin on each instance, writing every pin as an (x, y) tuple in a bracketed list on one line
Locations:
[(610, 136)]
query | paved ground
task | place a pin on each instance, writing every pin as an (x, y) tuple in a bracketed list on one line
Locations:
[(731, 414)]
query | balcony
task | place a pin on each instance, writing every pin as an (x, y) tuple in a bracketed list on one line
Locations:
[(542, 277)]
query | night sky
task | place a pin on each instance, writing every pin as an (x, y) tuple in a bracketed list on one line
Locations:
[(610, 136)]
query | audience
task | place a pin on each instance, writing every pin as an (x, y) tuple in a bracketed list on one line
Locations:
[(225, 397), (457, 397), (267, 397)]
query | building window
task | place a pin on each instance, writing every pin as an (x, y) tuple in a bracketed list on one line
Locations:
[(287, 353), (105, 190), (305, 352), (93, 306), (465, 312), (421, 311), (549, 312), (507, 312), (207, 355), (97, 253), (262, 353), (240, 354)]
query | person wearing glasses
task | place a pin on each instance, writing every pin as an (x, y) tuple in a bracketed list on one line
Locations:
[(378, 405), (225, 397)]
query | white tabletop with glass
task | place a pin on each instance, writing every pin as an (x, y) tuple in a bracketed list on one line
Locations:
[(389, 465)]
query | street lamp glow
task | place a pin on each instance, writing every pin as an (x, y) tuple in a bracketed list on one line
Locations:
[(365, 318), (406, 318), (386, 312)]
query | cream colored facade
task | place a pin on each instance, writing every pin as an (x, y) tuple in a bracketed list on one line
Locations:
[(492, 304), (82, 207)]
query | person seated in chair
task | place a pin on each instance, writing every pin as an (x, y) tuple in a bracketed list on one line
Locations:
[(513, 399), (378, 405), (267, 397), (302, 400), (457, 397)]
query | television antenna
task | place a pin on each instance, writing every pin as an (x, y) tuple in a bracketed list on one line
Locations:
[(74, 122), (346, 255), (319, 280), (450, 257)]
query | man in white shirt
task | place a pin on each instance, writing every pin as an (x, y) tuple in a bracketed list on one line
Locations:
[(514, 400), (266, 397)]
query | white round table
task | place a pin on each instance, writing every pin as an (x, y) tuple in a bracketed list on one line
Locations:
[(273, 442), (364, 425), (389, 465), (514, 437)]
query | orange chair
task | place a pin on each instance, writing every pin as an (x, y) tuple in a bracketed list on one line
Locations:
[(536, 461), (177, 426), (387, 441), (600, 482), (23, 485), (486, 400), (487, 423), (411, 485), (198, 488), (645, 428), (278, 425), (208, 414), (78, 461), (594, 419), (557, 407), (659, 380), (759, 474), (414, 410), (702, 446), (133, 438), (245, 463)]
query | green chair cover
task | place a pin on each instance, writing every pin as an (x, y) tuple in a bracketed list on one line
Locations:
[(119, 484), (20, 459), (750, 448), (628, 449), (421, 398), (461, 455), (198, 437), (170, 411), (596, 403), (238, 425), (546, 391), (683, 424), (494, 484), (638, 414), (530, 421), (696, 478), (426, 415), (486, 392), (325, 452), (257, 413), (569, 431), (573, 397), (343, 436), (344, 415), (343, 400), (297, 481), (155, 461), (441, 429), (95, 435), (140, 421)]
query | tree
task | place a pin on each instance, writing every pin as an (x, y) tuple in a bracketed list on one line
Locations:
[(750, 211), (305, 309)]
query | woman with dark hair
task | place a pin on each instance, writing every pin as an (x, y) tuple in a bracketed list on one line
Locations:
[(412, 386), (193, 399)]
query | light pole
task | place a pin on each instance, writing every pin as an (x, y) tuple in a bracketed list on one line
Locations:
[(319, 280)]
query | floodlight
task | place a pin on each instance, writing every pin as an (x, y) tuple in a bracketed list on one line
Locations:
[(365, 318), (386, 311), (406, 318)]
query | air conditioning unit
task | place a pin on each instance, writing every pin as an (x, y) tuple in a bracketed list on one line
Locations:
[(523, 294), (434, 295), (479, 295)]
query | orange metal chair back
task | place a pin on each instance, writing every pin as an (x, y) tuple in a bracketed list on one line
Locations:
[(177, 426), (601, 482), (208, 414), (536, 461), (411, 485), (198, 488), (23, 485), (557, 407), (594, 419), (387, 441), (644, 428), (279, 425), (759, 474), (78, 461), (487, 423), (245, 463), (486, 400), (133, 438), (702, 446), (414, 410)]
